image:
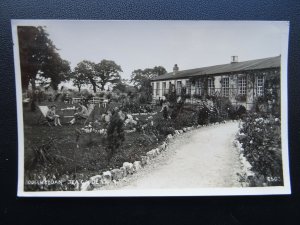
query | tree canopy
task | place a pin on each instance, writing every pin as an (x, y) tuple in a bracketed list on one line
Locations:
[(39, 56), (141, 78), (85, 71), (98, 75), (108, 72)]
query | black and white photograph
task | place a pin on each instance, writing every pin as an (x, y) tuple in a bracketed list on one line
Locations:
[(151, 108)]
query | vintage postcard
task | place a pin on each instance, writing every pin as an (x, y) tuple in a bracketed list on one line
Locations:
[(151, 108)]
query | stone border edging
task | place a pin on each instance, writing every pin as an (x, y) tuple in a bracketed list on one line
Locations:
[(246, 166)]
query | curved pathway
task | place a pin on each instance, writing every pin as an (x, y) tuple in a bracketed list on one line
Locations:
[(203, 157)]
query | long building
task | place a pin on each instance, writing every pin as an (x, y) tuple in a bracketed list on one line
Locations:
[(241, 82)]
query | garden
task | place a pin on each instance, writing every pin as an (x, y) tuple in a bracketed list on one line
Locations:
[(123, 131)]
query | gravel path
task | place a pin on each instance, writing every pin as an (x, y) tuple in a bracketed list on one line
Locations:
[(200, 158)]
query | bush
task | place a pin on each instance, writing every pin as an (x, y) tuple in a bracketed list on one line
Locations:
[(262, 148), (197, 96), (143, 99), (164, 127), (237, 112), (203, 115), (185, 119), (115, 134), (165, 113), (135, 107), (214, 115), (172, 97)]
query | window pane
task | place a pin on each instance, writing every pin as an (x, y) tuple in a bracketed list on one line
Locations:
[(211, 87), (157, 88), (225, 87), (260, 85), (242, 85), (188, 87), (178, 87)]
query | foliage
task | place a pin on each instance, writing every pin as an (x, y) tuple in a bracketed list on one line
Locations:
[(115, 134), (203, 115), (108, 72), (241, 98), (261, 142), (142, 79), (171, 97), (185, 119), (40, 57), (143, 98), (178, 106), (85, 70), (237, 112), (42, 153), (164, 127), (165, 112), (197, 96), (135, 107), (120, 86), (78, 78)]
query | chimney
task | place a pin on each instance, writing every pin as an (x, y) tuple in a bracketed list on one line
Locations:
[(175, 69), (234, 59)]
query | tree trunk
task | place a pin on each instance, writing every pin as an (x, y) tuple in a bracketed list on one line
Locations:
[(94, 88)]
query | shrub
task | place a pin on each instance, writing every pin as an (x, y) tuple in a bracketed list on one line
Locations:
[(203, 115), (262, 148), (176, 109), (197, 96), (185, 119), (241, 98), (172, 97), (237, 112), (109, 96), (135, 107), (143, 99), (115, 134), (214, 115), (164, 127), (165, 113)]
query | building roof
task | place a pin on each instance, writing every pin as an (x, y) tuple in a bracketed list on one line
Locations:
[(257, 64)]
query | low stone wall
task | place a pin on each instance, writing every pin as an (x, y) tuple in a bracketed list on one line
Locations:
[(118, 174)]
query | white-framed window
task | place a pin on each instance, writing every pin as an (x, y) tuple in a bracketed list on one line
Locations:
[(225, 86), (157, 88), (197, 87), (178, 87), (210, 86), (260, 85), (188, 87), (171, 87), (242, 85), (164, 88)]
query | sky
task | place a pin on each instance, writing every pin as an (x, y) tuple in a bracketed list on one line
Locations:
[(145, 44)]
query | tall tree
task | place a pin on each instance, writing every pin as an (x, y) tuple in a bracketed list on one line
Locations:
[(38, 55), (86, 71), (108, 72), (78, 79)]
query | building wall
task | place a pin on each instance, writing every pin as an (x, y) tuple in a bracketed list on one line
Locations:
[(234, 92)]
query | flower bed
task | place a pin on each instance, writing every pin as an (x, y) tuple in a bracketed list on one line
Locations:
[(260, 140)]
